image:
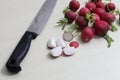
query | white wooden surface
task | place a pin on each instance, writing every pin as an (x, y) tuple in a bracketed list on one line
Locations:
[(92, 61)]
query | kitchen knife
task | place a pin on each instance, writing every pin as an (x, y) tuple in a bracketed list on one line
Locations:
[(38, 23)]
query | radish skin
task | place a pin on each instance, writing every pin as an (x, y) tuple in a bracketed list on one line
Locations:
[(74, 44)]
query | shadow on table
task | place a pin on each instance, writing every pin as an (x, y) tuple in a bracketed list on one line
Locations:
[(5, 72)]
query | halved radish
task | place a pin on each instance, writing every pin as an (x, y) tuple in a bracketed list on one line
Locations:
[(74, 44), (67, 36), (60, 42), (68, 51), (56, 52), (51, 43)]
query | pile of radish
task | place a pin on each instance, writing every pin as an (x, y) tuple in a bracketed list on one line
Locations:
[(59, 47), (95, 18)]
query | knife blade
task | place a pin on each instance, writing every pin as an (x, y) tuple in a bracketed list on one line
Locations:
[(37, 25)]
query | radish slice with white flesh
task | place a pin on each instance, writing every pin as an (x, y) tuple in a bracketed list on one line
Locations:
[(67, 36), (68, 51), (60, 42), (56, 52), (51, 43)]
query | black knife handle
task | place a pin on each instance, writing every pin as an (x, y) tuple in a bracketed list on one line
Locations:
[(13, 63)]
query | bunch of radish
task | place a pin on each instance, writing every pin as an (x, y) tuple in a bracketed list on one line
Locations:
[(59, 47), (95, 18)]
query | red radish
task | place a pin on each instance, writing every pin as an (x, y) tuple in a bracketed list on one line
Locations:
[(95, 0), (74, 44), (99, 11), (61, 43), (74, 5), (67, 36), (87, 34), (81, 22), (51, 43), (91, 6), (110, 7), (101, 27), (83, 11), (108, 17), (70, 15), (56, 52), (95, 17), (100, 4), (92, 18), (68, 51)]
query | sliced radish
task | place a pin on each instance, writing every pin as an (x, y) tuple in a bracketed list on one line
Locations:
[(51, 43), (56, 52), (68, 51), (67, 36), (74, 44), (61, 43)]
